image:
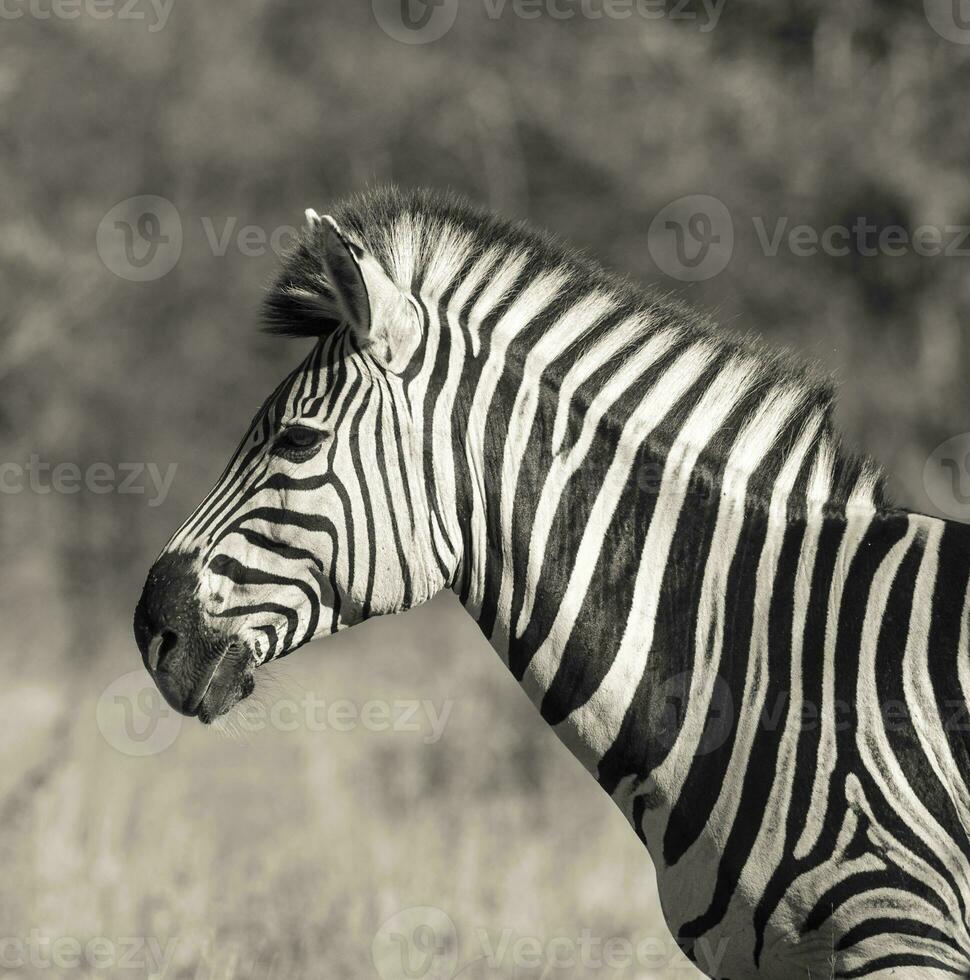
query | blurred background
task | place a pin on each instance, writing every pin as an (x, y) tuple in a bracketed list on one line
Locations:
[(155, 155)]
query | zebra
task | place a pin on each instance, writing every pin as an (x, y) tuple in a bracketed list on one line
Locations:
[(656, 524)]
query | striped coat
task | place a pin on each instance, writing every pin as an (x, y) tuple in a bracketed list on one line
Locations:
[(658, 528)]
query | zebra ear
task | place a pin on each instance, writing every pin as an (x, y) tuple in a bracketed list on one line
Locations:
[(374, 308)]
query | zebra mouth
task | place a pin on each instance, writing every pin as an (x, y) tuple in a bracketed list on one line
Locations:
[(231, 681)]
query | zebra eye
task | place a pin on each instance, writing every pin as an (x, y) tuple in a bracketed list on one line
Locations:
[(298, 442)]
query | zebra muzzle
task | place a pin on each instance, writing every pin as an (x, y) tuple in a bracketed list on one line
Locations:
[(199, 670)]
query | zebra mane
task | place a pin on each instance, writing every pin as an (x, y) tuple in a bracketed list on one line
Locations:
[(428, 237)]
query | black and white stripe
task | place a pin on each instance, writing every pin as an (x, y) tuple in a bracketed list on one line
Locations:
[(657, 527)]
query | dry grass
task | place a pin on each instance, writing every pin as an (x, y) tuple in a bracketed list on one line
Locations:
[(279, 853)]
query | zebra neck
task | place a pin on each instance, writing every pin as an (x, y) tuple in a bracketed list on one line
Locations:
[(602, 494), (599, 624), (615, 565), (697, 614), (650, 606), (589, 560)]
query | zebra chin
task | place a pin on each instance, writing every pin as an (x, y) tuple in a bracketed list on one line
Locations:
[(230, 683)]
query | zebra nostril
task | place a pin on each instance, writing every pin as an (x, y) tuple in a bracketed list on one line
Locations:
[(160, 647)]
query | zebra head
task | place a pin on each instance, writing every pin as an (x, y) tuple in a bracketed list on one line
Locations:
[(319, 521)]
